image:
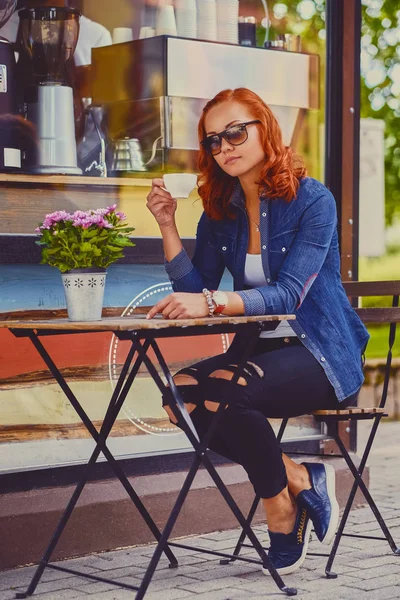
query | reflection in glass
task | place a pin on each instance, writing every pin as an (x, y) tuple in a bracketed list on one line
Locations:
[(49, 36)]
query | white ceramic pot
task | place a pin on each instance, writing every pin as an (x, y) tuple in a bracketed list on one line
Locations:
[(84, 293)]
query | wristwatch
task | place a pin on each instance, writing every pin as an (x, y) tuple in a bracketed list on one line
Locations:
[(220, 300)]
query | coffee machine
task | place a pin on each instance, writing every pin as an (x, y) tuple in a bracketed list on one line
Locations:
[(151, 91), (10, 150), (47, 39)]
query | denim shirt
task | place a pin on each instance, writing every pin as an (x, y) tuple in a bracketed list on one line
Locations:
[(300, 258)]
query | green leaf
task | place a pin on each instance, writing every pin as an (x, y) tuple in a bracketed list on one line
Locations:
[(113, 248), (122, 241), (86, 247), (90, 233)]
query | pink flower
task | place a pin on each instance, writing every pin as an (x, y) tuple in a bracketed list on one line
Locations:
[(89, 218), (55, 217)]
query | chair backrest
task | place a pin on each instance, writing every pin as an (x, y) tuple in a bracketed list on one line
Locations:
[(377, 314)]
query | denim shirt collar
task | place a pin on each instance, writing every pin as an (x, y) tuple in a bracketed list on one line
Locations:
[(237, 197)]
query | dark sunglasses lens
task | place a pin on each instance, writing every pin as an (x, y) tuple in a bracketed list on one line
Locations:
[(212, 144), (236, 135)]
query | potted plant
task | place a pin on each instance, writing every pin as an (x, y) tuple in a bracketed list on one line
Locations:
[(82, 245)]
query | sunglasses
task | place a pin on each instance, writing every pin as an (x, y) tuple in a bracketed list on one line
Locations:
[(235, 135)]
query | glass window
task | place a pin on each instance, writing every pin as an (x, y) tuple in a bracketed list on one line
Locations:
[(95, 105)]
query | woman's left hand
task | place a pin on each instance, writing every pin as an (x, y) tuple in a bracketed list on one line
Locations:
[(180, 305)]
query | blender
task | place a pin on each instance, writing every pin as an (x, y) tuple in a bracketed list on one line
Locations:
[(48, 38), (10, 139)]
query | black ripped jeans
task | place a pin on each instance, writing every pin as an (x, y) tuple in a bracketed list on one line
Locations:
[(283, 379)]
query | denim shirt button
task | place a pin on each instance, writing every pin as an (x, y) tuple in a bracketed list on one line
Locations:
[(264, 247), (264, 214), (322, 359), (268, 280), (224, 248), (283, 249), (303, 335)]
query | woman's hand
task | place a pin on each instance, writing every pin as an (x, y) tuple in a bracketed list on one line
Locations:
[(180, 305), (161, 204)]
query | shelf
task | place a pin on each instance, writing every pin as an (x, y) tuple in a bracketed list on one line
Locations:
[(141, 180), (25, 199)]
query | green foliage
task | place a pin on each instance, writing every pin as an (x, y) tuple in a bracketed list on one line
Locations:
[(380, 80), (83, 239), (380, 98), (379, 342)]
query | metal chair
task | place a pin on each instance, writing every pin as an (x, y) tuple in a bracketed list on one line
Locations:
[(332, 419)]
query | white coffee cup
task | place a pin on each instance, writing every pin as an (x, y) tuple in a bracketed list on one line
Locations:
[(179, 185), (165, 23), (122, 34), (146, 32)]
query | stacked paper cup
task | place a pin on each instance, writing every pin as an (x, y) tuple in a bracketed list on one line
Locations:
[(207, 20), (186, 18), (165, 21), (227, 21)]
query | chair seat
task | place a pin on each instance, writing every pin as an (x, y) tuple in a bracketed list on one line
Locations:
[(348, 413)]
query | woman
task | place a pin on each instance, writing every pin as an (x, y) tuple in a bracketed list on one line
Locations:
[(274, 228)]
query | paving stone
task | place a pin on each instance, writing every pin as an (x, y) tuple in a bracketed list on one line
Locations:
[(377, 582), (179, 582), (22, 576), (116, 594), (375, 561), (115, 573), (364, 566), (386, 593), (7, 595), (198, 587), (343, 593), (61, 595), (170, 594), (232, 570), (124, 559), (54, 586), (96, 587), (371, 573), (224, 594), (324, 585)]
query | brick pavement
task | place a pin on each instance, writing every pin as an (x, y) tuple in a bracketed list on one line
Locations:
[(367, 569)]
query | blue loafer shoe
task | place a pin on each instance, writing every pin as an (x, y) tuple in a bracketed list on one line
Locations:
[(320, 502), (288, 551)]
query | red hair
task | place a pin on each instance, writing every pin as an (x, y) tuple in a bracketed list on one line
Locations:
[(280, 175)]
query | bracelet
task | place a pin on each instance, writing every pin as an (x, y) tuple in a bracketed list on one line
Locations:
[(210, 303)]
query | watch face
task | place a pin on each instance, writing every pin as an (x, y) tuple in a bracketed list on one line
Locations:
[(220, 298)]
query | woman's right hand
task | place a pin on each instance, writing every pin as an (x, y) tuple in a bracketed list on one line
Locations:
[(161, 204)]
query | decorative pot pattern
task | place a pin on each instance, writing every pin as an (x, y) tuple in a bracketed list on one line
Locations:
[(84, 293)]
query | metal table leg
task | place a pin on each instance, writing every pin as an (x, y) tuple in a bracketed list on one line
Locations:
[(122, 388), (201, 457)]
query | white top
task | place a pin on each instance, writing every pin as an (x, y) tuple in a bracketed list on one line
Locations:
[(254, 277), (91, 35)]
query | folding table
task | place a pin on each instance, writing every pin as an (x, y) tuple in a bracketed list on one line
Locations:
[(143, 335)]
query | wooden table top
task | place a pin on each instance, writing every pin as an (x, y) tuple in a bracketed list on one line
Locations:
[(135, 322)]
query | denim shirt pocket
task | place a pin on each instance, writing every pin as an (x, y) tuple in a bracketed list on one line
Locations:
[(225, 245), (282, 242)]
